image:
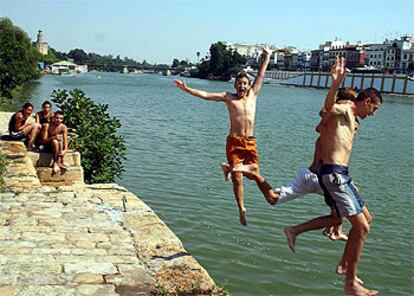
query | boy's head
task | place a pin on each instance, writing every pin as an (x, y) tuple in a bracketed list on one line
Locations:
[(242, 84), (46, 106), (367, 102), (27, 109), (58, 117), (346, 94)]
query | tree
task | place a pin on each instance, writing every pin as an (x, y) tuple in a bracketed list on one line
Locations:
[(220, 64), (79, 56), (101, 148), (18, 58), (175, 63)]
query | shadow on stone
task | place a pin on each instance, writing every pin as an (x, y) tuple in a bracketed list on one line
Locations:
[(125, 290)]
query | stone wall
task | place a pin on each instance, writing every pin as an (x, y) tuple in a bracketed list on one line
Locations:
[(63, 238)]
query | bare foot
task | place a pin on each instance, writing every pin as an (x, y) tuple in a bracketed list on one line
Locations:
[(55, 168), (357, 289), (338, 236), (291, 237), (250, 171), (341, 270), (243, 220), (328, 231), (63, 165), (226, 171)]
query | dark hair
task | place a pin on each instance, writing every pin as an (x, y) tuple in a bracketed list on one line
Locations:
[(27, 105), (241, 75), (46, 103), (59, 113), (370, 93), (346, 93)]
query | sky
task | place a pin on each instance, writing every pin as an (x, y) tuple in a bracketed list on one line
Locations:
[(161, 30)]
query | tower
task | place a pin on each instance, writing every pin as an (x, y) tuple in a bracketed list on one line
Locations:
[(41, 46)]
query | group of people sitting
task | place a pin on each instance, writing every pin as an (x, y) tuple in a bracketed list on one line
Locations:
[(43, 133)]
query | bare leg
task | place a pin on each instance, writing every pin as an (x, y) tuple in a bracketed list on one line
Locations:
[(341, 269), (62, 163), (251, 172), (293, 231), (238, 190), (352, 253), (226, 168), (55, 151), (31, 132)]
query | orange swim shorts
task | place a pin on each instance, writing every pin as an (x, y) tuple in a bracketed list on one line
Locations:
[(241, 150)]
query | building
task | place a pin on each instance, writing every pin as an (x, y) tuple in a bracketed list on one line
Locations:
[(304, 61), (407, 52), (67, 68), (355, 56), (279, 58), (251, 52), (315, 62), (41, 46), (376, 55), (325, 60), (407, 60)]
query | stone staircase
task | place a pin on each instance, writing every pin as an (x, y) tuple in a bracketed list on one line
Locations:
[(33, 165)]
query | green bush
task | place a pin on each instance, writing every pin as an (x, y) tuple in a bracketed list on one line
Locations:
[(101, 148)]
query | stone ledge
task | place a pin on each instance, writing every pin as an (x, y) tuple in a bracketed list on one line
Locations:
[(67, 176), (42, 159)]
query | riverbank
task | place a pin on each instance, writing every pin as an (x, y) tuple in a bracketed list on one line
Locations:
[(77, 239)]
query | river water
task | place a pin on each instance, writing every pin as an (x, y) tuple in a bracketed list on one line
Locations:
[(176, 143)]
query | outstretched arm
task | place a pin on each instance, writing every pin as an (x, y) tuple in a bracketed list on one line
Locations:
[(338, 74), (218, 97), (258, 82)]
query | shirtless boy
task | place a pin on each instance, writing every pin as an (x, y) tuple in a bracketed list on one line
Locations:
[(306, 180), (20, 127), (337, 141), (54, 137), (241, 144), (46, 115)]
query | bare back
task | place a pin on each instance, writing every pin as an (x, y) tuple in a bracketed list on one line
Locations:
[(337, 138), (242, 112)]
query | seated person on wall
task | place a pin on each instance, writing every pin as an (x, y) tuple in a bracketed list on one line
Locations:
[(21, 128), (46, 115), (54, 137)]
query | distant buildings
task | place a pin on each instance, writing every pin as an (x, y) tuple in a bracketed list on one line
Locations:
[(390, 56)]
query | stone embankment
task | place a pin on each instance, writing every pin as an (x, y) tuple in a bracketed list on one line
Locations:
[(59, 236)]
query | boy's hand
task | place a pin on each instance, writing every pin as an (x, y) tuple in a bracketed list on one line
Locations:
[(267, 51), (180, 84), (338, 71)]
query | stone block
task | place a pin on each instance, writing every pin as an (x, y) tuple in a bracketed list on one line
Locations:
[(21, 167), (185, 275), (152, 237), (96, 290), (95, 268), (7, 290), (42, 159), (41, 279), (130, 275), (88, 278), (67, 176)]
